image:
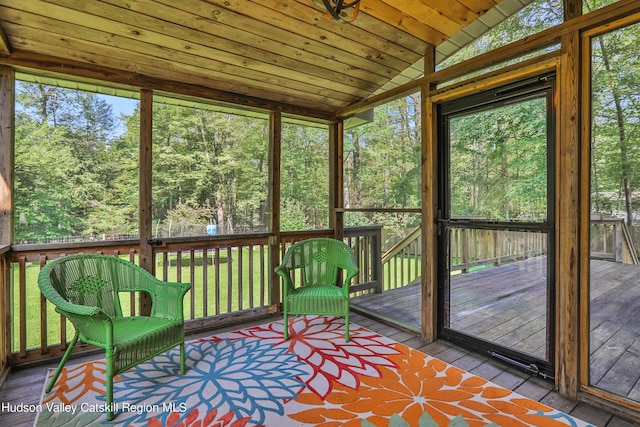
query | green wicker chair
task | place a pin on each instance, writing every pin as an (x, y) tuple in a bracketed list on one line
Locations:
[(316, 263), (86, 289)]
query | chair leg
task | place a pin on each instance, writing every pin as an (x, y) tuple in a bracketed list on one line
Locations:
[(286, 327), (109, 385), (182, 359), (346, 327), (62, 362)]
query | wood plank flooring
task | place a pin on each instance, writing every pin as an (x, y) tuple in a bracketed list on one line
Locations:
[(506, 304), (25, 385)]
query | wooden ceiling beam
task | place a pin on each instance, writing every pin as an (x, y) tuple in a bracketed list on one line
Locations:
[(32, 62), (385, 13), (5, 47)]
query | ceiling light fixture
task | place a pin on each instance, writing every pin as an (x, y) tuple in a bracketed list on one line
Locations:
[(336, 7)]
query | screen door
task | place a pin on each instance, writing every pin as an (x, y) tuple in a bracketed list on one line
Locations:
[(496, 223)]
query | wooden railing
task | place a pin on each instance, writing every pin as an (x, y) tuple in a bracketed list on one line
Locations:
[(401, 263), (611, 240), (367, 244), (5, 324), (230, 278), (472, 247)]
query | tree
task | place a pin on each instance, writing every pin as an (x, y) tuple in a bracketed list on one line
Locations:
[(382, 159), (211, 160), (63, 140), (615, 124), (305, 175)]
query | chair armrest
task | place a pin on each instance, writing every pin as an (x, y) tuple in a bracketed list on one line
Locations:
[(167, 299), (350, 273), (94, 325), (284, 272)]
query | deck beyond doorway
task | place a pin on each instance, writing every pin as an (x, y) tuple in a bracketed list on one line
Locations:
[(615, 316)]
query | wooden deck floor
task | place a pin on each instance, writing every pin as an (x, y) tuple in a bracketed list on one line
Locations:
[(25, 385), (506, 304)]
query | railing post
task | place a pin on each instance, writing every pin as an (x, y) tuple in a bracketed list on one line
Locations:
[(617, 240), (464, 250), (376, 244)]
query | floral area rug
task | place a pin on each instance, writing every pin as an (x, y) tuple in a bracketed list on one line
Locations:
[(252, 377)]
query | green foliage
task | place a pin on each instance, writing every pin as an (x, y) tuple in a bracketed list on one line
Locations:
[(533, 18), (498, 162), (293, 216), (304, 186), (68, 175), (211, 161), (383, 158), (615, 143)]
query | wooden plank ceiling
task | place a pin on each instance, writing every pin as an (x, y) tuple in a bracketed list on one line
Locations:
[(281, 51)]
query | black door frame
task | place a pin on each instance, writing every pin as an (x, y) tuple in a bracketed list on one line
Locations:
[(538, 87)]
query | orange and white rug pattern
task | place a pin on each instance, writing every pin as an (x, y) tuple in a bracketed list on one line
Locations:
[(253, 377)]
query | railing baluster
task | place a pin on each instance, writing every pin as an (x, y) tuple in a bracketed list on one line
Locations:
[(205, 283), (217, 272), (43, 315), (22, 306), (262, 277), (165, 266), (229, 279), (192, 280), (240, 279), (251, 273)]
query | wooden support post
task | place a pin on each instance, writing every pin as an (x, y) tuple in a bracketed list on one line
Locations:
[(429, 205), (567, 213), (7, 106), (7, 109), (146, 259), (275, 147), (336, 178)]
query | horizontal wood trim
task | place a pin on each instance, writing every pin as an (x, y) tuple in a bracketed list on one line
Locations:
[(35, 253), (388, 210), (610, 402), (228, 319), (378, 100), (523, 70), (611, 26)]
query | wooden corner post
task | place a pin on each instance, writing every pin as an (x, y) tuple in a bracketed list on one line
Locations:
[(146, 259), (275, 149), (336, 179), (429, 203), (568, 208), (7, 131)]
